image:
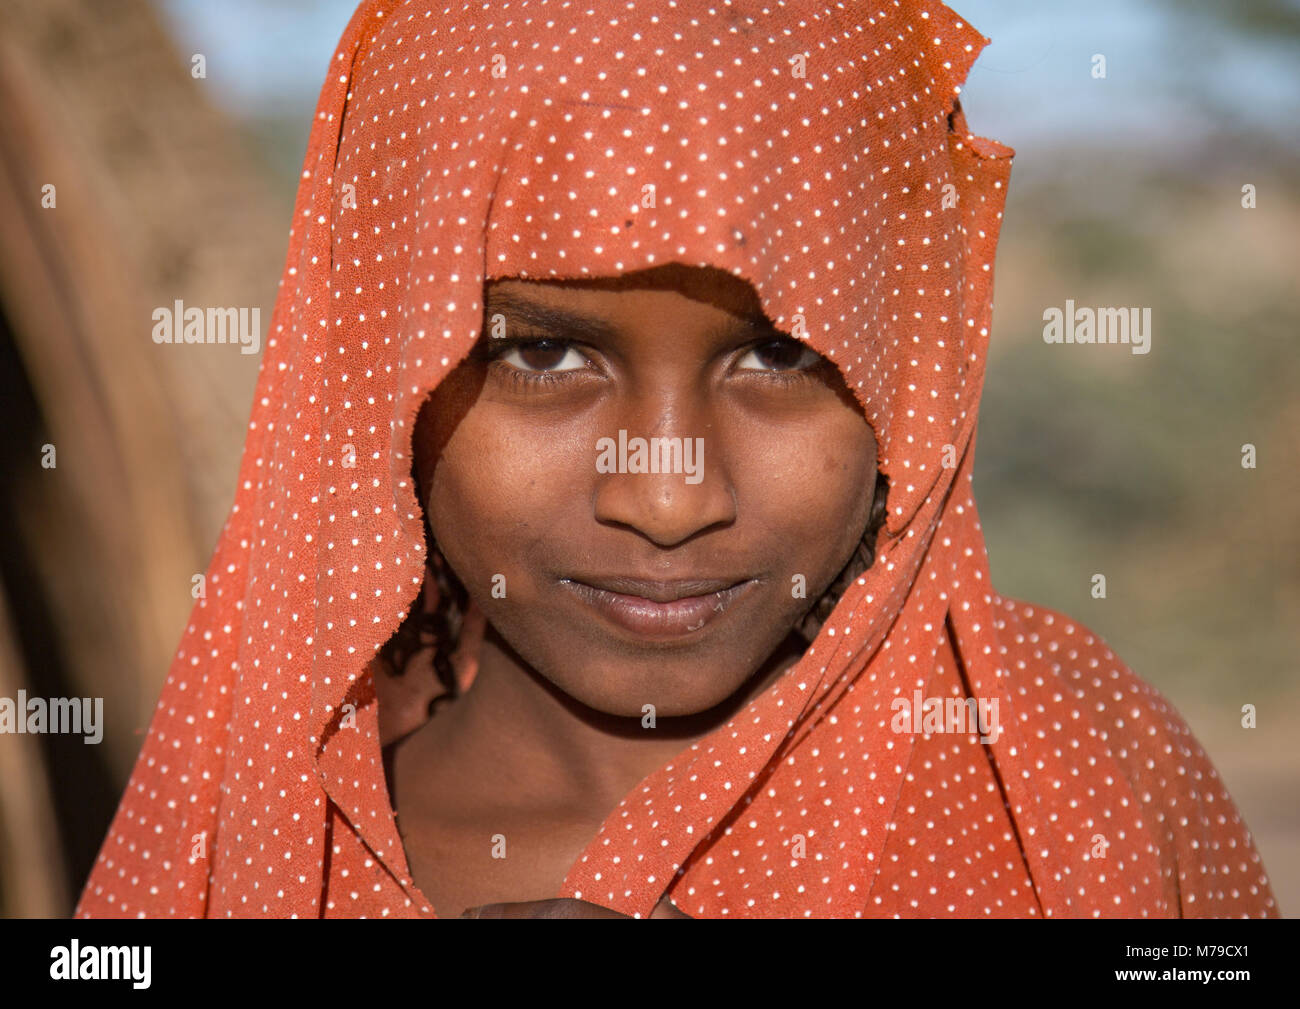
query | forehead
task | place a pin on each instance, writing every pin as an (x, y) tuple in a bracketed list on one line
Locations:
[(707, 286)]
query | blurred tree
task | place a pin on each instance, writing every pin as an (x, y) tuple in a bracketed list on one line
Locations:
[(122, 188), (1256, 20)]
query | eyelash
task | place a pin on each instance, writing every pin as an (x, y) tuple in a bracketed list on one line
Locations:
[(520, 379)]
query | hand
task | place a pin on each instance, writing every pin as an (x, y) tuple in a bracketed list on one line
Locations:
[(564, 907)]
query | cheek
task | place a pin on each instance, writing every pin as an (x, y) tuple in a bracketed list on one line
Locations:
[(497, 489), (814, 480)]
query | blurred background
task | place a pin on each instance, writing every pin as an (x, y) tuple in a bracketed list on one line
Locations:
[(1127, 190)]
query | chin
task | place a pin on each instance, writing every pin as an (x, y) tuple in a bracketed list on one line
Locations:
[(609, 689)]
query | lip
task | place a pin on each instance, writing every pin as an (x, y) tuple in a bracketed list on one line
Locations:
[(661, 610)]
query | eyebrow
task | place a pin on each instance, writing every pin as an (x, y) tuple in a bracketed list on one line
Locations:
[(577, 326)]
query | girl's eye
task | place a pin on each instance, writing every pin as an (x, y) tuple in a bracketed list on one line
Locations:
[(780, 355), (543, 356)]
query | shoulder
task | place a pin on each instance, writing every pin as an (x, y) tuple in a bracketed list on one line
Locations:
[(1064, 667), (1070, 678), (1055, 657)]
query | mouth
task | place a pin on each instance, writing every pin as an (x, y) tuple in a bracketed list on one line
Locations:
[(659, 610)]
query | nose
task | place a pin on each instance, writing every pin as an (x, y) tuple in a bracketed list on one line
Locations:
[(663, 472)]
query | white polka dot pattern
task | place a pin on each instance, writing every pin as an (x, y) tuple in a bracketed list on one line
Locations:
[(819, 153)]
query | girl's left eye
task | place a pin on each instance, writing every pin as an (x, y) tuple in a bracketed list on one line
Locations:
[(544, 356), (779, 355)]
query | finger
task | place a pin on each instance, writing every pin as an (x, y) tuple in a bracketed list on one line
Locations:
[(564, 907), (667, 909)]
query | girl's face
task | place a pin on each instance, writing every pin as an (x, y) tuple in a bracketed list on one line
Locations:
[(642, 485)]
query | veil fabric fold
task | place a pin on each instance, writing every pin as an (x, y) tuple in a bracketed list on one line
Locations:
[(820, 153)]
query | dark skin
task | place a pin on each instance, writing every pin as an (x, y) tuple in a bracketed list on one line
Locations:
[(550, 737)]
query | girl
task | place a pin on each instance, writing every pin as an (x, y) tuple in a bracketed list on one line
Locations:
[(604, 542)]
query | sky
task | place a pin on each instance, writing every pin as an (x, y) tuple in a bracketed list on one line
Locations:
[(1170, 79)]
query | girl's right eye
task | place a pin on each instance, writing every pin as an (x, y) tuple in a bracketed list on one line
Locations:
[(545, 356)]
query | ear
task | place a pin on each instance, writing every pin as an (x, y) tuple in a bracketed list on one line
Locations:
[(405, 695)]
